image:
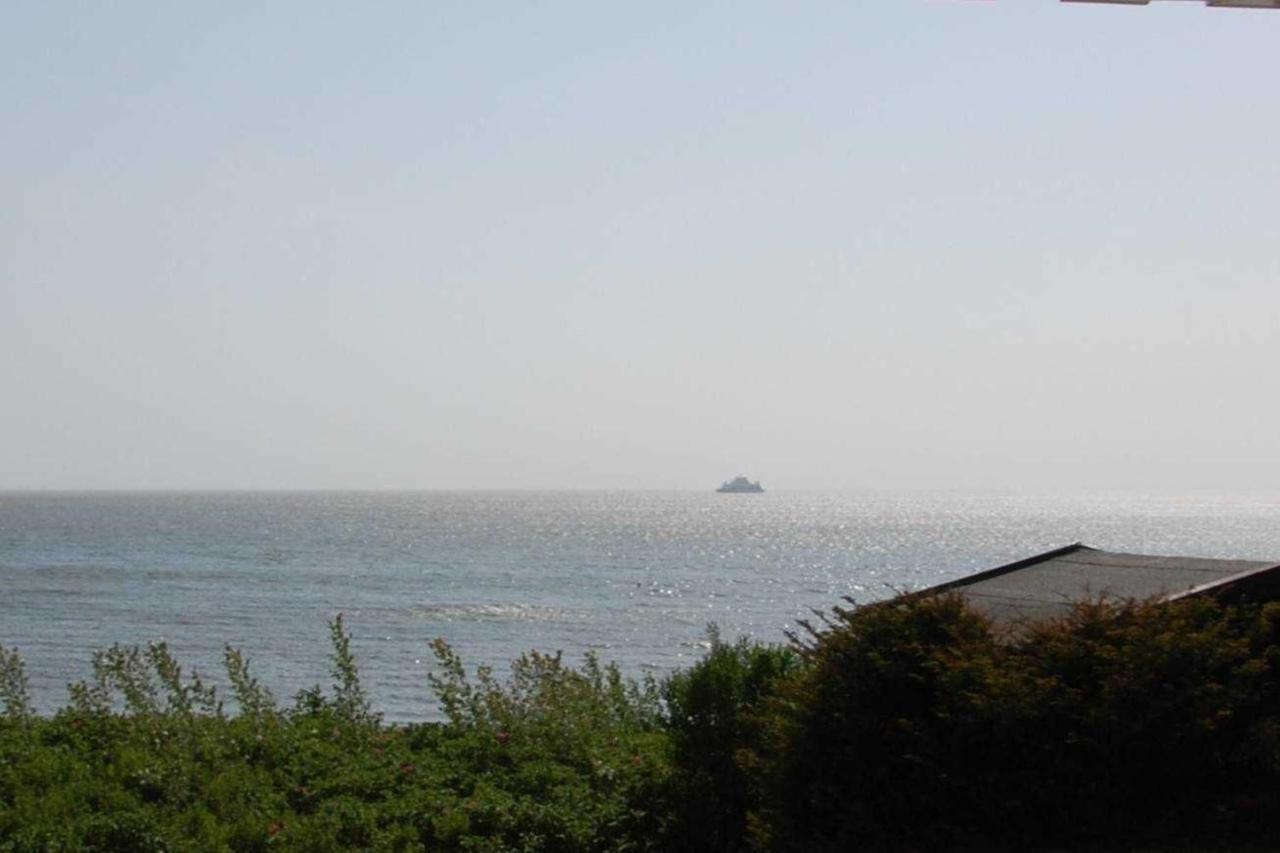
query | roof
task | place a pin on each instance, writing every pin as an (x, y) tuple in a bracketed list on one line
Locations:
[(1048, 584), (1239, 4)]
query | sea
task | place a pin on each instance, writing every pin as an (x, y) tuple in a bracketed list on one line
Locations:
[(633, 577)]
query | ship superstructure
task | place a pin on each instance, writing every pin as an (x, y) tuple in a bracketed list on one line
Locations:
[(740, 485)]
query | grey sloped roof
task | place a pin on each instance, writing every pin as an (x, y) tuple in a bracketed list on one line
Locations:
[(1046, 585)]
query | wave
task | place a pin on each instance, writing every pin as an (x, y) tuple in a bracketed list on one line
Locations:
[(489, 612)]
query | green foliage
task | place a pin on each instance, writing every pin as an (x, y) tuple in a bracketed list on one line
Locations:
[(544, 694), (909, 724), (182, 698), (254, 700), (914, 724), (574, 759), (15, 691), (142, 758), (717, 716), (349, 701)]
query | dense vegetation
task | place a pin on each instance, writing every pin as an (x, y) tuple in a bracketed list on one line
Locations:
[(910, 724)]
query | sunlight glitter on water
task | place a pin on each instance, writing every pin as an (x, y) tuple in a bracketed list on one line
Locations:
[(639, 575)]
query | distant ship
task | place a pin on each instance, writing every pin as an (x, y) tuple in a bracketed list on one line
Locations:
[(739, 485)]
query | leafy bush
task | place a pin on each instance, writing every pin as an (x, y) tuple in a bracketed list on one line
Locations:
[(716, 715), (914, 724), (908, 724), (574, 759), (14, 689), (144, 758)]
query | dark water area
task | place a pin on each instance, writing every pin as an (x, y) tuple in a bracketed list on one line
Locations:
[(633, 576)]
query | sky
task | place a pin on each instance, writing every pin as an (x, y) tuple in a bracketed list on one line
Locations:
[(909, 245)]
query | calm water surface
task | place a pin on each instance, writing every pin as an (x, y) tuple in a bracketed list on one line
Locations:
[(635, 576)]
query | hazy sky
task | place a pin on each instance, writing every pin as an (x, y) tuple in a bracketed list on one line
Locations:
[(891, 245)]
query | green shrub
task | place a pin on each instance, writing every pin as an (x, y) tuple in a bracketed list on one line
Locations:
[(349, 702), (904, 725), (254, 700), (15, 691), (572, 759), (143, 758), (914, 724), (716, 718)]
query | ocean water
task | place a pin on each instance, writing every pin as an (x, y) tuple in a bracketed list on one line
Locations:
[(633, 576)]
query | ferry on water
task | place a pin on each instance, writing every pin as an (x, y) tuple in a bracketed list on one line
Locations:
[(740, 485)]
